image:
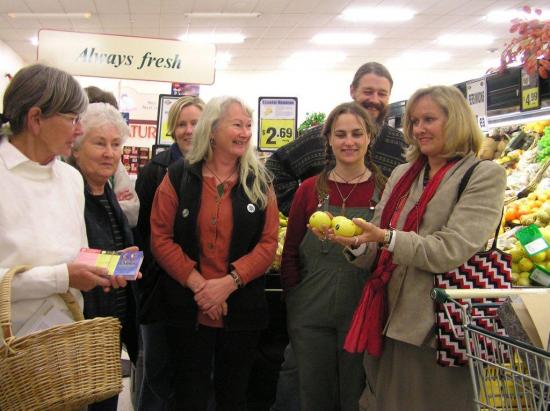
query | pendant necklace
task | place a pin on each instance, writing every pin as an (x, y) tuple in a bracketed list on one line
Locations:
[(220, 188), (344, 199)]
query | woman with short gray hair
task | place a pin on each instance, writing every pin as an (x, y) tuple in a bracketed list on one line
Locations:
[(96, 154), (42, 203)]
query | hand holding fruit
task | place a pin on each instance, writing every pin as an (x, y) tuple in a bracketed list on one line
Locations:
[(343, 230), (370, 234)]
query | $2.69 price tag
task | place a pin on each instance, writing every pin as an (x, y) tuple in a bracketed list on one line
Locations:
[(275, 133)]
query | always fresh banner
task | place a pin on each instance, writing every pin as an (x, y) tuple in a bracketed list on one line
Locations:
[(123, 57)]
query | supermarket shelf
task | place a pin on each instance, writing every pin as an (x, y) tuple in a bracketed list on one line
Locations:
[(508, 119)]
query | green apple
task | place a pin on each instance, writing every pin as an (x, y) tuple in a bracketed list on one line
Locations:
[(517, 253), (515, 277), (525, 264), (344, 227), (523, 282), (539, 257), (319, 220), (524, 274)]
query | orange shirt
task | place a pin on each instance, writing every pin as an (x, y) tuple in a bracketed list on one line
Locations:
[(215, 225)]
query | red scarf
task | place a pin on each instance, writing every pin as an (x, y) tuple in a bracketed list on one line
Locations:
[(370, 315)]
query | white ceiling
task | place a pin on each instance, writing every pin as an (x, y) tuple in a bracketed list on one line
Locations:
[(285, 26)]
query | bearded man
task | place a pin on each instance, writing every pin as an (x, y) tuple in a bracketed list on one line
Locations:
[(305, 157)]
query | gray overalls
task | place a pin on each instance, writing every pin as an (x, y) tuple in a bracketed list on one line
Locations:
[(319, 312)]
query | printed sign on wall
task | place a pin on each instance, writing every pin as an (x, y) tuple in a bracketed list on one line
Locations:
[(136, 58), (476, 94), (165, 102), (530, 90), (276, 122)]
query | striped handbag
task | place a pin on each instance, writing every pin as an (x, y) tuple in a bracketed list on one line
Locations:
[(486, 269)]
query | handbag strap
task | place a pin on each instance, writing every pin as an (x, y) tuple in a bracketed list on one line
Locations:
[(462, 186), (5, 302)]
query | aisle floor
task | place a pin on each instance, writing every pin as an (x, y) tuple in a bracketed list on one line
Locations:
[(125, 400)]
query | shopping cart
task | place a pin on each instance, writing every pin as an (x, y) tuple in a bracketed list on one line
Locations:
[(507, 374)]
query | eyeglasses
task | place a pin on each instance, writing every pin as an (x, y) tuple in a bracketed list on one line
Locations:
[(75, 118)]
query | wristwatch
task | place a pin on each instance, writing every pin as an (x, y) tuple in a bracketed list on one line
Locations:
[(237, 278), (388, 235)]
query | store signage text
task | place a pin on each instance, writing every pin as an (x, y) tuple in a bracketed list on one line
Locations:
[(277, 122), (530, 90), (90, 55), (125, 57), (476, 95)]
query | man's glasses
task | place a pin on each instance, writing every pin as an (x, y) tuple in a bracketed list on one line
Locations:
[(75, 118)]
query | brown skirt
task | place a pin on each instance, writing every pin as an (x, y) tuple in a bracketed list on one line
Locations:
[(407, 377)]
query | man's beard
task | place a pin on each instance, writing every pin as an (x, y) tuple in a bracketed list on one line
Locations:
[(382, 111)]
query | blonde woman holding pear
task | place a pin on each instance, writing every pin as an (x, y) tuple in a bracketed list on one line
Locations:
[(322, 288)]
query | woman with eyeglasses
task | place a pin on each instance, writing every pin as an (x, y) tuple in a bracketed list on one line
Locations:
[(42, 202)]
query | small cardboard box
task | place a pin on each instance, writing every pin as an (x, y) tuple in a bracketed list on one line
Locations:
[(525, 317)]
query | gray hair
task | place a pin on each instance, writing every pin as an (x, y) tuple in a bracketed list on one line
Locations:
[(50, 89), (98, 115)]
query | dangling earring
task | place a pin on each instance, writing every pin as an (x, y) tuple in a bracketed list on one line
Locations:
[(212, 142)]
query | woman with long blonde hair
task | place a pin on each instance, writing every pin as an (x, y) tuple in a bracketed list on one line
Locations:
[(214, 233)]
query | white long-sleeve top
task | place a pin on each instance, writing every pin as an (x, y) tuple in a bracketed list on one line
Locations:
[(41, 224), (123, 182)]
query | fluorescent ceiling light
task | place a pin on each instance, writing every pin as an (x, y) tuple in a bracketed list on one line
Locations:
[(34, 41), (465, 40), (343, 38), (313, 60), (218, 38), (222, 60), (222, 15), (421, 59), (377, 14), (506, 16), (86, 15)]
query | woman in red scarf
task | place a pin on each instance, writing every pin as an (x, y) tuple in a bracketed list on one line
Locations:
[(419, 228)]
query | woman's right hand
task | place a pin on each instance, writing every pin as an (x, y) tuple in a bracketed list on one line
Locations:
[(85, 277)]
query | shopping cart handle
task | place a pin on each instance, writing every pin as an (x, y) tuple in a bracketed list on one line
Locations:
[(439, 295), (442, 295)]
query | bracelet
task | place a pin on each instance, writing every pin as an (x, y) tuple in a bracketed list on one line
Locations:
[(237, 279)]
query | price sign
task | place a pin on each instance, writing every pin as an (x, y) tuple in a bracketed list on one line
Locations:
[(530, 91), (476, 94), (276, 132), (277, 122)]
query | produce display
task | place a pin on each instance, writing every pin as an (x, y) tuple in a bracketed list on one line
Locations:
[(283, 223), (527, 197)]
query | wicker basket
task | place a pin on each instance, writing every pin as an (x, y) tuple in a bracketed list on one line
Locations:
[(60, 368)]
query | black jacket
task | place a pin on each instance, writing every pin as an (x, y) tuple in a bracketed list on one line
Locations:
[(148, 180), (97, 303), (247, 306)]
